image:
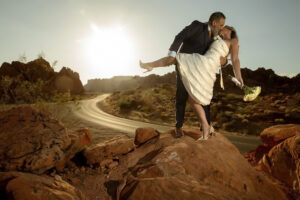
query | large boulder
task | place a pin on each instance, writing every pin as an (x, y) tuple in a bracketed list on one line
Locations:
[(142, 135), (103, 153), (33, 141), (270, 137), (169, 168), (276, 134), (25, 186), (283, 163), (279, 155)]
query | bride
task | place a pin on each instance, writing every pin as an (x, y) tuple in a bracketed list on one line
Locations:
[(198, 72)]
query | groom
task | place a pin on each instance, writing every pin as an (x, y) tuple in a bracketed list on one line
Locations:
[(194, 38)]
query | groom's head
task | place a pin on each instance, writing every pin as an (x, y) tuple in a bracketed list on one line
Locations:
[(216, 22)]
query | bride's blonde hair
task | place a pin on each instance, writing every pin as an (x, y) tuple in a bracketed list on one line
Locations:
[(233, 32)]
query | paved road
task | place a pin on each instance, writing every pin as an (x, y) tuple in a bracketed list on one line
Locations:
[(90, 111)]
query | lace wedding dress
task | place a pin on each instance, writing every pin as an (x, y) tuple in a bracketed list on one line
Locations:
[(198, 72)]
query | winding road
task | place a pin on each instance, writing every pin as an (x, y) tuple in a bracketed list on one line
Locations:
[(89, 111)]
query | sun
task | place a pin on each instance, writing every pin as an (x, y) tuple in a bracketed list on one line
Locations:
[(109, 50)]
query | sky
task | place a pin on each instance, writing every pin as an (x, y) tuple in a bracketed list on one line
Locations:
[(105, 38)]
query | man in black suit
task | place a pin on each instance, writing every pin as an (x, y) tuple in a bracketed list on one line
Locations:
[(194, 38)]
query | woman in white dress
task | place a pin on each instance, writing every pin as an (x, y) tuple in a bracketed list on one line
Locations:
[(198, 72)]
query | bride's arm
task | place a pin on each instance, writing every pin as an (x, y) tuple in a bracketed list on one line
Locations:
[(234, 52)]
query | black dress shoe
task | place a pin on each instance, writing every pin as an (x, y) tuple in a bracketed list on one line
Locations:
[(178, 133)]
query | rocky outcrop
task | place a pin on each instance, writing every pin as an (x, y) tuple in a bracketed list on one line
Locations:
[(142, 135), (31, 71), (279, 156), (25, 186), (185, 169), (33, 141), (276, 134), (104, 154), (283, 163), (163, 167), (67, 80), (39, 80), (158, 167)]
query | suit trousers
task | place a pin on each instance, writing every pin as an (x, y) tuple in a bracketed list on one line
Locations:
[(181, 99)]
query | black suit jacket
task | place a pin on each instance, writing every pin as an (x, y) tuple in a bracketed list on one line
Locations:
[(195, 39)]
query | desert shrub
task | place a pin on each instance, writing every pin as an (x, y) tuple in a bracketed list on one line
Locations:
[(222, 118), (60, 96), (292, 114), (124, 105), (155, 90), (279, 120), (296, 99), (233, 96), (5, 89), (16, 90), (128, 92), (29, 92), (127, 104), (4, 107)]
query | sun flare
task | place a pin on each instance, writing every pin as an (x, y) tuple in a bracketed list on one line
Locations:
[(109, 51)]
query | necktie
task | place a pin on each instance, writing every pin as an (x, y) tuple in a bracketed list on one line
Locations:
[(209, 33)]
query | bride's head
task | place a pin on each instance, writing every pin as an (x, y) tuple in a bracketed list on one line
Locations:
[(228, 33)]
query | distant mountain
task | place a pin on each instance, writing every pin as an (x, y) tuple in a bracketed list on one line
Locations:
[(120, 83), (266, 78)]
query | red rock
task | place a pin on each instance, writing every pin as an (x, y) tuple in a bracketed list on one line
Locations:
[(255, 155), (41, 74), (33, 141), (275, 134), (119, 145), (282, 162), (23, 186), (67, 80), (150, 172), (79, 139), (192, 132), (113, 165), (142, 135), (185, 169)]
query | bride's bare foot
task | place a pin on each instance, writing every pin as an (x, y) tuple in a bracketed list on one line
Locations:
[(145, 66)]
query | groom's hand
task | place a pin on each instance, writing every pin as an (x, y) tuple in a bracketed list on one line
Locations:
[(223, 60)]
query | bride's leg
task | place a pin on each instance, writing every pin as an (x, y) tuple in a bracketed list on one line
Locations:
[(162, 62), (201, 116)]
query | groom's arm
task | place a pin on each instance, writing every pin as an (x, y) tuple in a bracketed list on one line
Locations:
[(186, 33)]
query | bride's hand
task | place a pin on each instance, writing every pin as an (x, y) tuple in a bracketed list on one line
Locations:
[(241, 81)]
